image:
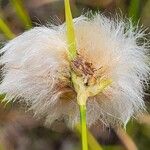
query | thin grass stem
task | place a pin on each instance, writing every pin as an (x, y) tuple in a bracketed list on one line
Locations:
[(83, 127)]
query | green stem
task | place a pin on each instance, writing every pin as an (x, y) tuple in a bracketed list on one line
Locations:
[(83, 127)]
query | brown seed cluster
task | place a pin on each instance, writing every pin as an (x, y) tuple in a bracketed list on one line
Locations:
[(83, 68)]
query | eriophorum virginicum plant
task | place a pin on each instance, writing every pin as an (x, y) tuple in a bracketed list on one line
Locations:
[(101, 67)]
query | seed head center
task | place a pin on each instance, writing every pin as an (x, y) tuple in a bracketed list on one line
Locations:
[(85, 69)]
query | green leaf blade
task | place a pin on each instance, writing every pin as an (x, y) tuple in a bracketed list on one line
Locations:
[(70, 32)]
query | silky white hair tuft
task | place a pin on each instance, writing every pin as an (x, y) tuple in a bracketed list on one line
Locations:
[(36, 70)]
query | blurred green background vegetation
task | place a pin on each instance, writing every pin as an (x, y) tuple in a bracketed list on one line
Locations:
[(19, 131)]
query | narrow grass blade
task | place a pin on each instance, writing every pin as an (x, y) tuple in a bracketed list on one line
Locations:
[(6, 30), (22, 13), (134, 9)]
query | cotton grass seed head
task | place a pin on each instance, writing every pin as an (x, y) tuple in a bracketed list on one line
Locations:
[(37, 70)]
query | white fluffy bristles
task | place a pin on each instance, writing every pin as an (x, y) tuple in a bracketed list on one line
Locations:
[(37, 71)]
